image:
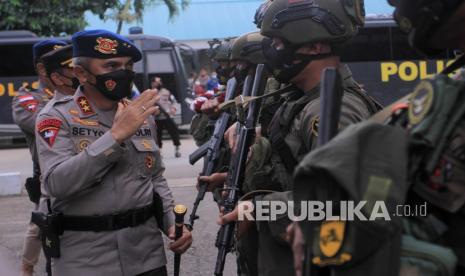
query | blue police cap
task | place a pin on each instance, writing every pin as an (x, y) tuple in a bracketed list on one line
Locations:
[(42, 47), (103, 44)]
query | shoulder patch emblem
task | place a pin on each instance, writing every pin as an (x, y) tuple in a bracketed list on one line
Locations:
[(85, 122), (331, 237), (83, 144), (28, 102), (421, 102), (48, 130), (146, 144), (84, 105), (106, 45)]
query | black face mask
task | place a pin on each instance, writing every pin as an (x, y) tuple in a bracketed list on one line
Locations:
[(115, 85), (223, 74), (281, 62)]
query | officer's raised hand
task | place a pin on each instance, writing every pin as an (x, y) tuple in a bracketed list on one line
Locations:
[(130, 117)]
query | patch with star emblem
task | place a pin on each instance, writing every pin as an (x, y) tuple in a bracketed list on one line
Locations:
[(149, 161), (84, 105), (421, 102), (106, 45), (48, 129), (28, 102), (110, 85), (83, 144)]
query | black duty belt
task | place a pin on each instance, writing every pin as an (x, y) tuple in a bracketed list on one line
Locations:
[(116, 221)]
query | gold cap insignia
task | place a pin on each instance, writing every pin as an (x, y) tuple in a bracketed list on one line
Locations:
[(106, 45)]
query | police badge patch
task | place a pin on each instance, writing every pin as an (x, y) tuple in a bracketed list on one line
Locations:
[(421, 102), (28, 102), (106, 45), (83, 144), (149, 161), (110, 85), (48, 130)]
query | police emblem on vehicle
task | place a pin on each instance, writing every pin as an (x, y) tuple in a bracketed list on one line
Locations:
[(106, 46), (421, 102), (110, 85)]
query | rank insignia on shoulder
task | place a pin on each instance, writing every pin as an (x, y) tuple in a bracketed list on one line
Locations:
[(84, 105), (85, 122), (48, 129), (106, 45), (28, 102), (149, 161), (420, 102), (83, 144)]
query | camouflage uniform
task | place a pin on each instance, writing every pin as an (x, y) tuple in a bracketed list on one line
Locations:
[(415, 159)]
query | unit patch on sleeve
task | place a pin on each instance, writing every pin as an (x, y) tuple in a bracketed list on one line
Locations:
[(48, 130), (28, 102)]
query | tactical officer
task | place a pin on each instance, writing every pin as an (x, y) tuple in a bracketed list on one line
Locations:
[(101, 167), (203, 122), (304, 38), (26, 105), (415, 160)]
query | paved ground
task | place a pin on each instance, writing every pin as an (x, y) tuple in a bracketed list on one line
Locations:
[(198, 260)]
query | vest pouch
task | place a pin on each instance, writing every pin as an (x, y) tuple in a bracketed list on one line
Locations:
[(421, 258)]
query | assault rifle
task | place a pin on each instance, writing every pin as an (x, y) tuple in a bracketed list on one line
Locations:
[(246, 136), (331, 93)]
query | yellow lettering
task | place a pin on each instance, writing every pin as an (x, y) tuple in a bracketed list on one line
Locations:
[(11, 90), (387, 69), (440, 66), (424, 71), (2, 89), (412, 68)]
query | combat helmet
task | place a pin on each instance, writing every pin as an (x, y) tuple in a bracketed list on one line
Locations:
[(222, 52), (307, 21), (248, 47)]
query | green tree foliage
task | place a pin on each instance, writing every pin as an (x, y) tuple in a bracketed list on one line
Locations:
[(50, 17), (128, 11)]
